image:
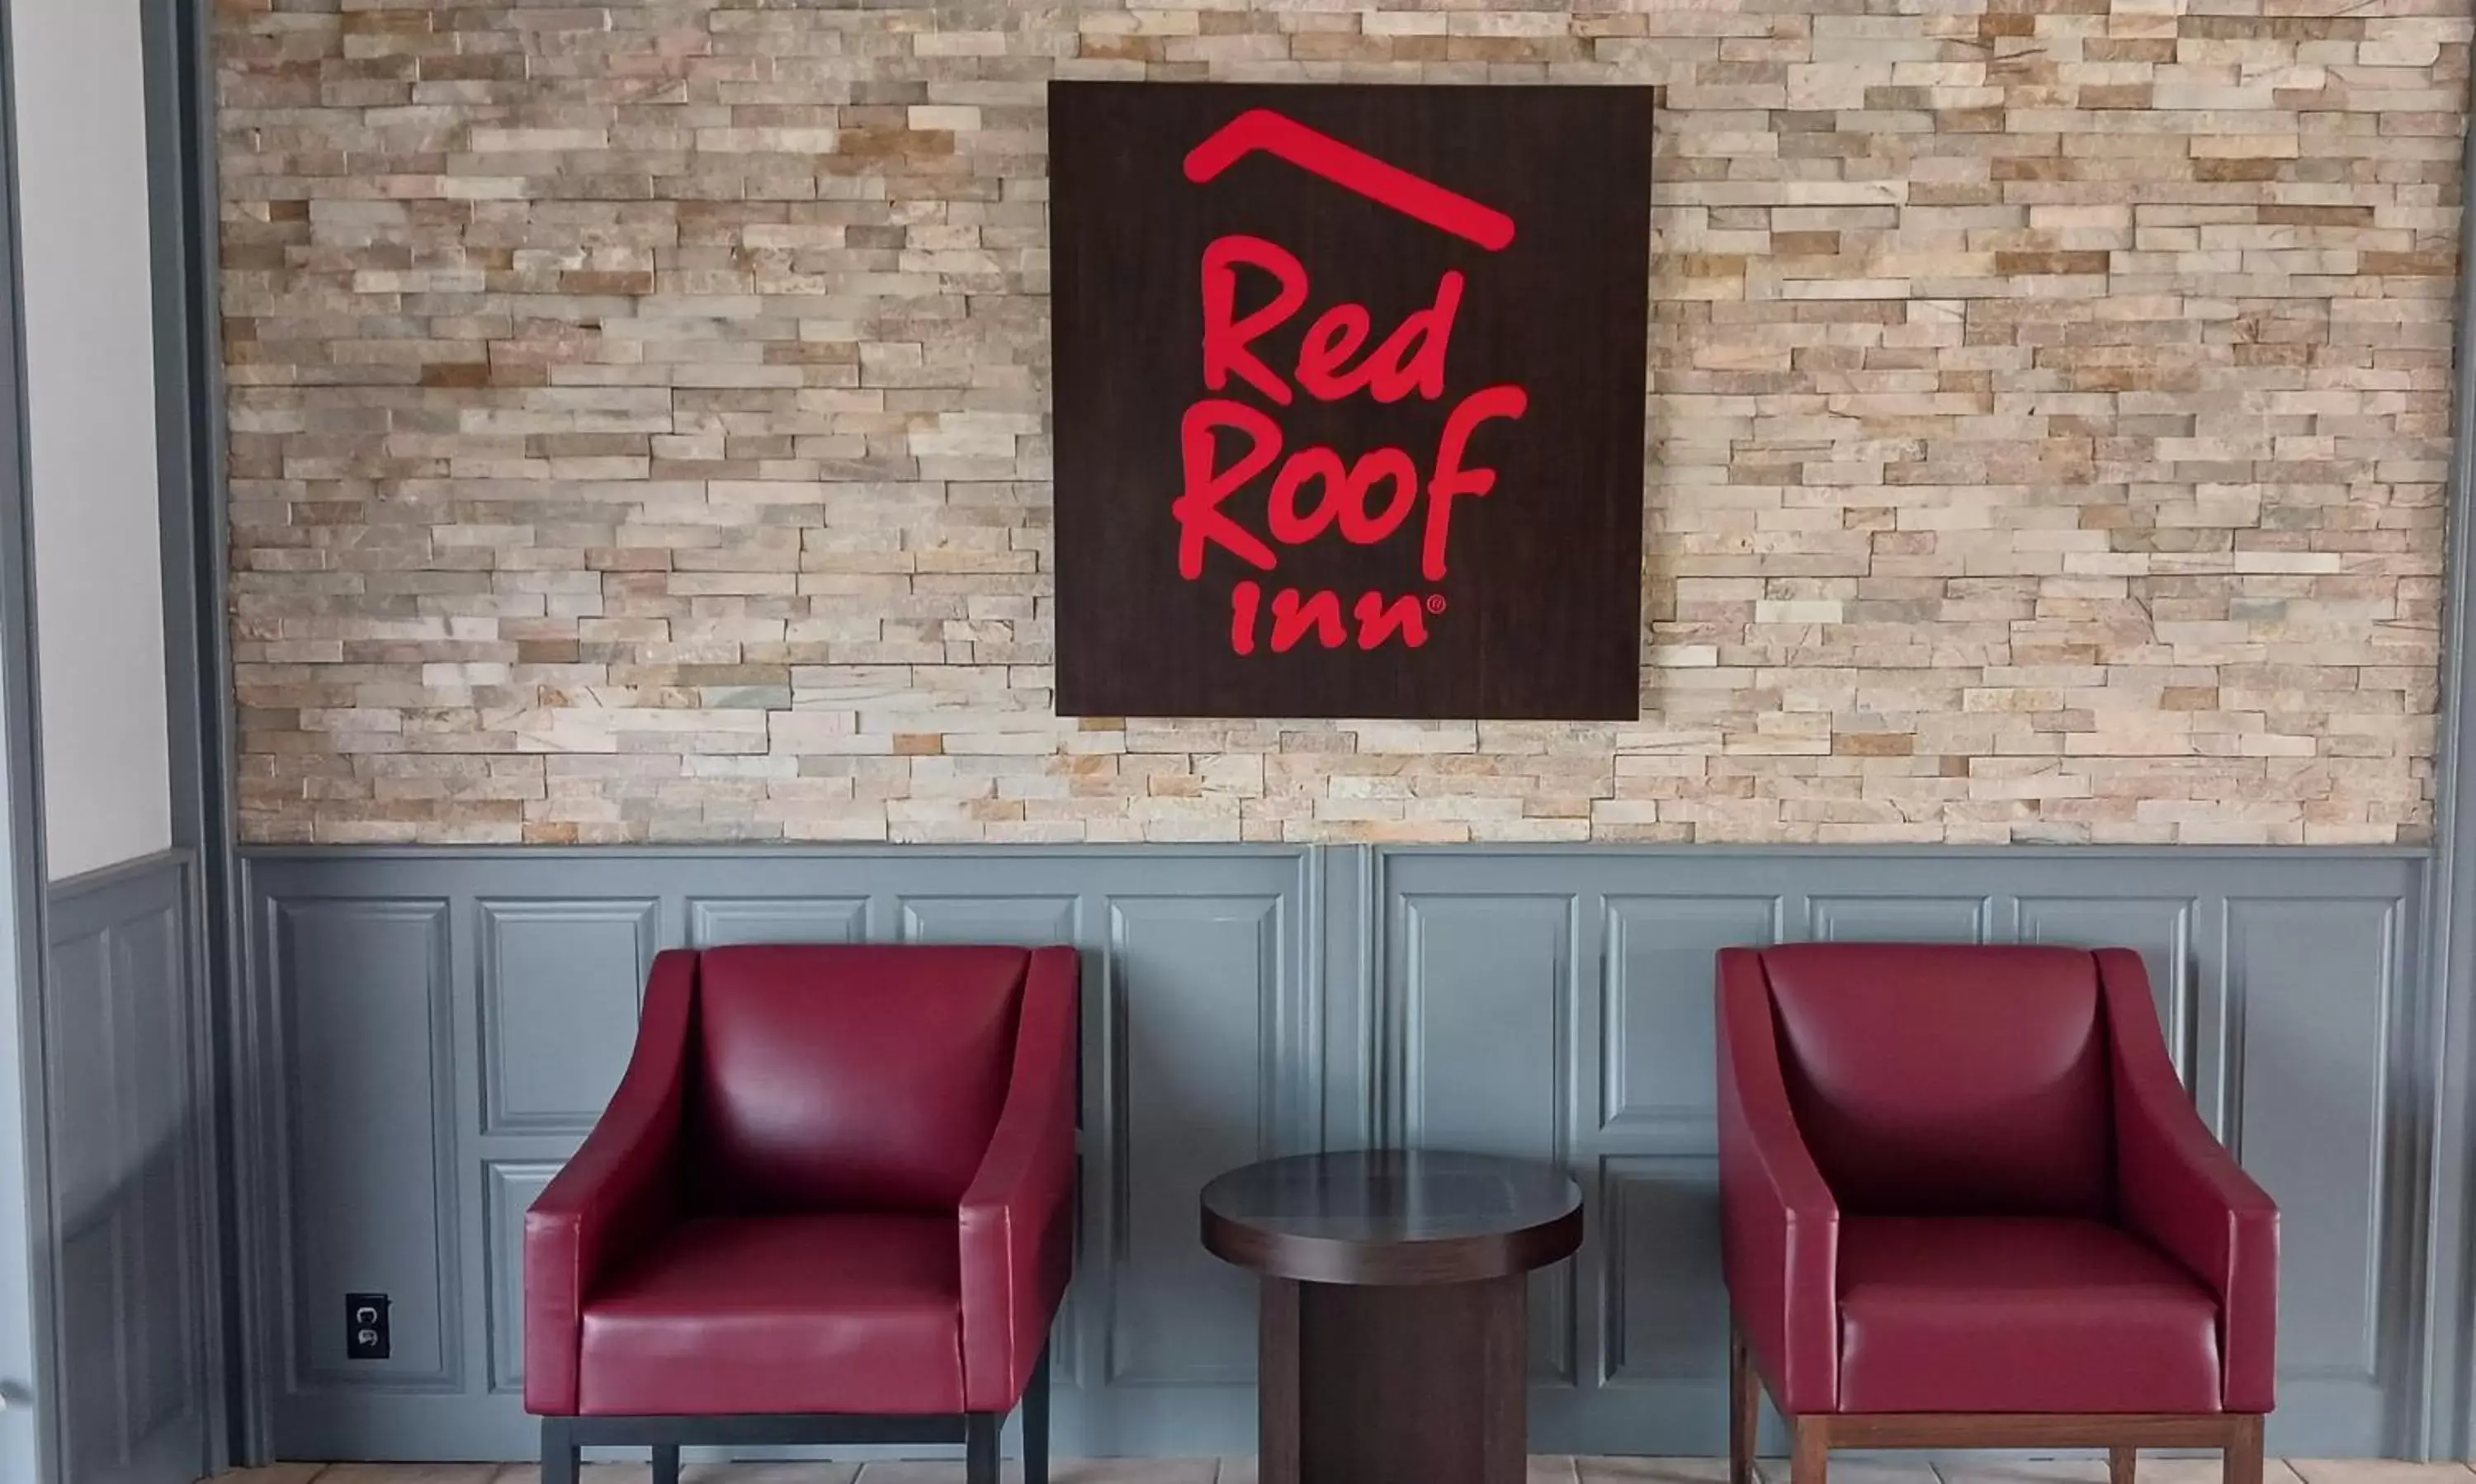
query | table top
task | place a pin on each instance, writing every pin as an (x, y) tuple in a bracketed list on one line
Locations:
[(1393, 1217)]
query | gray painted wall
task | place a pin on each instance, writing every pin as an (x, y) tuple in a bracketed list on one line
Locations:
[(431, 1031), (125, 1130)]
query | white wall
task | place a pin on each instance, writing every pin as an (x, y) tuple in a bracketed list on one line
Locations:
[(90, 402)]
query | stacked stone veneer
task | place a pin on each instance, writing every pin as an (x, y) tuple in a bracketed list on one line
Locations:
[(639, 424)]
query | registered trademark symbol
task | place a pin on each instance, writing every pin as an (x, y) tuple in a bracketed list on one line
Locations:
[(1435, 603)]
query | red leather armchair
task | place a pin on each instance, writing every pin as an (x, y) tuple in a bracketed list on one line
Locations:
[(830, 1201), (1966, 1202)]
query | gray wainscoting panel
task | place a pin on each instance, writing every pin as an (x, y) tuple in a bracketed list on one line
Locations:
[(559, 991), (367, 1120), (1657, 1061), (1883, 917), (127, 1127), (2310, 1115), (1660, 1315), (1029, 921), (2284, 977), (452, 1020), (719, 922), (1487, 981), (2160, 929), (508, 1187), (1195, 1028)]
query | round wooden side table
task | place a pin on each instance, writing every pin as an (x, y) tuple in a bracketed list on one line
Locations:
[(1396, 1308)]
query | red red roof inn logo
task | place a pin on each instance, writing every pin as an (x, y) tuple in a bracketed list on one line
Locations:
[(1349, 399), (1313, 492)]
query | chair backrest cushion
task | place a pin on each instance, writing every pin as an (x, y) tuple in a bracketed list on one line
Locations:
[(846, 1078), (1948, 1079)]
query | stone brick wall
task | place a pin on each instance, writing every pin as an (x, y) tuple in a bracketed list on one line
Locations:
[(637, 423)]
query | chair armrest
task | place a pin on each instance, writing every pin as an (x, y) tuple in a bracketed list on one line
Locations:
[(2179, 1188), (1018, 1217), (1779, 1222), (616, 1190)]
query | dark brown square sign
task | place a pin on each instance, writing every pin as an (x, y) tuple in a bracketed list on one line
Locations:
[(1349, 399)]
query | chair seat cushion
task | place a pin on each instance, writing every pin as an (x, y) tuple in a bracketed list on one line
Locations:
[(2019, 1315), (803, 1314)]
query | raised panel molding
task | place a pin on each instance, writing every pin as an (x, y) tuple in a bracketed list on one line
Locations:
[(82, 1071), (2158, 928), (719, 922), (1657, 989), (1487, 983), (560, 981), (366, 1110), (161, 1123), (507, 1188), (1486, 1040), (124, 1133), (1879, 919), (1659, 1257), (2315, 1132), (1200, 1081), (1027, 922), (84, 1227)]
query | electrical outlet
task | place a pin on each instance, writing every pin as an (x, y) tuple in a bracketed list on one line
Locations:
[(366, 1327)]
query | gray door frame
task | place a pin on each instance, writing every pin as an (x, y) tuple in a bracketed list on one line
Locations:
[(190, 431), (29, 1424), (180, 190)]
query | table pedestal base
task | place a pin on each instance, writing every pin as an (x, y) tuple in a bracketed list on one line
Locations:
[(1395, 1385)]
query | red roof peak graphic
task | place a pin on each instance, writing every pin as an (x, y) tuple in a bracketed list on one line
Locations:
[(1321, 154)]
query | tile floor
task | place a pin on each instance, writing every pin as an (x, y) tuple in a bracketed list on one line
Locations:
[(1242, 1470)]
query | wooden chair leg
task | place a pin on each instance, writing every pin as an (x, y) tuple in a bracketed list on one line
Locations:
[(2241, 1460), (666, 1462), (1809, 1458), (2120, 1465), (1744, 1408), (558, 1451), (981, 1448), (1035, 1424)]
